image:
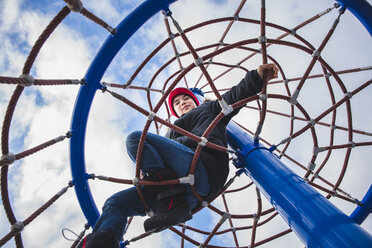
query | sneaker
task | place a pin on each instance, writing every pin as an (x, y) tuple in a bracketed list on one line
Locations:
[(99, 239), (172, 210)]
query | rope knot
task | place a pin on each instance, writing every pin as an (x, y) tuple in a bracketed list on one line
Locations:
[(190, 179), (135, 181), (198, 61), (311, 166), (151, 116), (74, 5), (18, 227), (29, 80), (203, 141), (261, 39), (8, 158), (226, 108)]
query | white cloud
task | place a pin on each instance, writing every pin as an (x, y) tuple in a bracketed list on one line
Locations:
[(9, 13)]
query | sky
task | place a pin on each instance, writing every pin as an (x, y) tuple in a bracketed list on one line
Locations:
[(45, 112)]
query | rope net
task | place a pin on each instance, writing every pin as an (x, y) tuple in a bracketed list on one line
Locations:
[(307, 109)]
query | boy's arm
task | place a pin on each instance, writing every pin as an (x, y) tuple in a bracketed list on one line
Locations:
[(251, 84)]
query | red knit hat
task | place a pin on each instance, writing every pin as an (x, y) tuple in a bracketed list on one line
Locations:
[(179, 91)]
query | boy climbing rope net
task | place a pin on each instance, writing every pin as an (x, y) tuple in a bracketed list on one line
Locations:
[(170, 158)]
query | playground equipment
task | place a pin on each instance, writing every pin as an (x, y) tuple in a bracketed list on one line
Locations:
[(302, 220)]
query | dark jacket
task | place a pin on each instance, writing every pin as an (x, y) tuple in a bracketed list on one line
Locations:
[(197, 121)]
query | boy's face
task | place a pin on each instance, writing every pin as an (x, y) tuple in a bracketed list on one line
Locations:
[(183, 103)]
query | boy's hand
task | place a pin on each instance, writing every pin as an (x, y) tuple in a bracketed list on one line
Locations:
[(270, 69)]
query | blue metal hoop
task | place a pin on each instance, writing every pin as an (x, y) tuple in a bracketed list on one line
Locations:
[(360, 8), (106, 54)]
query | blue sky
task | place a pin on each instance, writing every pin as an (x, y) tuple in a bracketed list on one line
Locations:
[(45, 112)]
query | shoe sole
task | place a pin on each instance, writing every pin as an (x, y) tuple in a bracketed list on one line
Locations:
[(162, 228)]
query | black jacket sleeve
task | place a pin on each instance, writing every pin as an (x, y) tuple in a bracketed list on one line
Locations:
[(250, 85)]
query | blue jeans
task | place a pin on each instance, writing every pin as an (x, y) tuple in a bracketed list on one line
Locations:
[(158, 152)]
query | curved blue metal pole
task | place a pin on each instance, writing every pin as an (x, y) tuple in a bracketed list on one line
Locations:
[(361, 9), (362, 211), (86, 94), (316, 221)]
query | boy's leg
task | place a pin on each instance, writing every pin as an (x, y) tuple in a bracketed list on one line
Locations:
[(118, 208), (159, 151), (166, 159), (151, 159)]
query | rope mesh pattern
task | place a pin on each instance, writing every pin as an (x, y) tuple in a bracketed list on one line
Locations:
[(203, 61), (21, 83)]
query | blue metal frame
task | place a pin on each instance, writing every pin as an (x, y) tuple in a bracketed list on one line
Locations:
[(361, 212), (86, 94), (361, 9), (314, 219)]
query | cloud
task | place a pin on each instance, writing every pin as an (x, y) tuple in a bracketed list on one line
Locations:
[(9, 11)]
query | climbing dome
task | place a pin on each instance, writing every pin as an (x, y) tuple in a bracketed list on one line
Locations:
[(67, 133)]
